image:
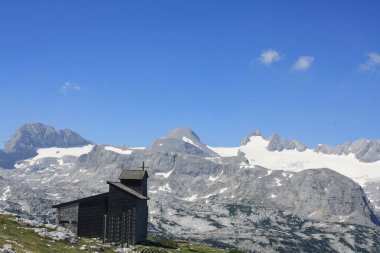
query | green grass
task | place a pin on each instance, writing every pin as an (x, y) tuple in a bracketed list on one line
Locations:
[(185, 247), (25, 239)]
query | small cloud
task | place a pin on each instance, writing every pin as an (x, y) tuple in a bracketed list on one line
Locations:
[(303, 63), (372, 63), (67, 86), (269, 56)]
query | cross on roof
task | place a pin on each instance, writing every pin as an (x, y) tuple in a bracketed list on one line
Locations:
[(143, 166)]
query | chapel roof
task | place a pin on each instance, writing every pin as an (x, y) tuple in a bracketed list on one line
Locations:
[(133, 174), (127, 189)]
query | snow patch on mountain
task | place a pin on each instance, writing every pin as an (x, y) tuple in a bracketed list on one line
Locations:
[(60, 152), (223, 190), (312, 214), (185, 139), (207, 196), (225, 152), (212, 179), (191, 198), (278, 181), (255, 150), (118, 150), (165, 188), (165, 174)]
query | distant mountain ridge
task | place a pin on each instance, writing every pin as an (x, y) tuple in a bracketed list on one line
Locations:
[(31, 136), (271, 193), (365, 150)]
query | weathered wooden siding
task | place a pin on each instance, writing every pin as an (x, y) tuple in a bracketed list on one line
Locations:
[(141, 220), (91, 217), (133, 184), (145, 187), (68, 217), (119, 201)]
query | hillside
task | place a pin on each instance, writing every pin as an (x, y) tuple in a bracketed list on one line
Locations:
[(19, 235)]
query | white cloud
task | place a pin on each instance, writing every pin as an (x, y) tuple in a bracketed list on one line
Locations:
[(269, 56), (67, 86), (373, 61), (303, 63)]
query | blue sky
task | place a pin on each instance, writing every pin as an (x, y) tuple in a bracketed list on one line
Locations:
[(126, 72)]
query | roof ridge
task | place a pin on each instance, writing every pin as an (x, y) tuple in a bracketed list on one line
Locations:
[(128, 189), (133, 174)]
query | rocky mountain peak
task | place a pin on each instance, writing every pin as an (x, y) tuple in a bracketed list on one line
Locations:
[(36, 135), (364, 150), (179, 133), (28, 138), (182, 140), (245, 140), (278, 143), (256, 133)]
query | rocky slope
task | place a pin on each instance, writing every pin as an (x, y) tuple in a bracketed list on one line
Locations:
[(224, 193)]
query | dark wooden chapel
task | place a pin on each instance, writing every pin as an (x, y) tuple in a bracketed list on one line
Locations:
[(120, 215)]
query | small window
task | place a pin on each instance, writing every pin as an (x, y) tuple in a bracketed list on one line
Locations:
[(63, 222)]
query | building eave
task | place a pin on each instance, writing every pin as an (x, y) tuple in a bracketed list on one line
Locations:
[(81, 200)]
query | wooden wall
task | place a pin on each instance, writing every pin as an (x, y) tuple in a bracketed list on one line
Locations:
[(141, 220), (86, 217), (135, 185), (68, 217), (91, 217), (121, 202)]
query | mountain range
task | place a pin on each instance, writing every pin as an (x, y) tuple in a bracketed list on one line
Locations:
[(269, 194)]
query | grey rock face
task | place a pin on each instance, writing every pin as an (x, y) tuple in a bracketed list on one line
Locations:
[(179, 133), (31, 136), (373, 193), (325, 193), (364, 150), (182, 140), (28, 138), (278, 143), (7, 160), (245, 140), (7, 248), (18, 197), (99, 157), (256, 228)]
